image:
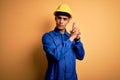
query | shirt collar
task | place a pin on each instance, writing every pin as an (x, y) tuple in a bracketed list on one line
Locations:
[(57, 32)]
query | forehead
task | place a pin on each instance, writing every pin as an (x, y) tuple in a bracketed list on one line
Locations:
[(62, 16)]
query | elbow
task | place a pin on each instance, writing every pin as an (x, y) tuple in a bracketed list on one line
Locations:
[(56, 58), (81, 56), (52, 57)]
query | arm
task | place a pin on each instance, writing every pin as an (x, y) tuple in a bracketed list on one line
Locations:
[(78, 47), (53, 51), (79, 50)]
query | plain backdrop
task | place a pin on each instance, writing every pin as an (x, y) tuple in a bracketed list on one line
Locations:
[(23, 22)]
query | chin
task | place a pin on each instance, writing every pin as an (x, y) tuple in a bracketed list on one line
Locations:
[(61, 27)]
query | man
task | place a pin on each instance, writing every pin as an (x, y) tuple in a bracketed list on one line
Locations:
[(61, 48)]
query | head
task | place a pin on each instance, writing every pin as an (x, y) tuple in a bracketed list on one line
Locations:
[(62, 19), (62, 16)]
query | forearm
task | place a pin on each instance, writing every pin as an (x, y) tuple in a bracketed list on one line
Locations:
[(55, 51), (79, 50)]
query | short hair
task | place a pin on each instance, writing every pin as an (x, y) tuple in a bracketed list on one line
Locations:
[(62, 13)]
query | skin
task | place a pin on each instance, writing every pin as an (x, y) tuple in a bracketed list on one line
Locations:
[(61, 23)]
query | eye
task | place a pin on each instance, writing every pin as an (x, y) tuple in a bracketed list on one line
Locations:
[(65, 19), (59, 17)]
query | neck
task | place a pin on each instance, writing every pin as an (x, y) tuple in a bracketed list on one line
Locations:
[(62, 31)]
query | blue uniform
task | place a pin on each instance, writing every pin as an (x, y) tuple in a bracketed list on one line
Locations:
[(61, 54)]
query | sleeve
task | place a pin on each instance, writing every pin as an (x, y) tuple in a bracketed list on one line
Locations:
[(52, 51), (79, 50)]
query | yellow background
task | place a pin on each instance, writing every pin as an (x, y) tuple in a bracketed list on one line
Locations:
[(23, 22)]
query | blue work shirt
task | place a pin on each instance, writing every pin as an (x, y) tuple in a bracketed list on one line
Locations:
[(61, 54)]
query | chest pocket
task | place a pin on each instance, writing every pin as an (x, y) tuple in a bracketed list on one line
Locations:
[(58, 40)]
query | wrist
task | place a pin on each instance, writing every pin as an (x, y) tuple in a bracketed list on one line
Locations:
[(71, 38), (77, 39)]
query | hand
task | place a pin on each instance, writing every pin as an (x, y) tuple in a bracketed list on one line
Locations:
[(78, 35), (73, 35), (75, 32)]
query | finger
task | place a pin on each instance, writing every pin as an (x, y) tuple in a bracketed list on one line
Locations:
[(74, 30), (73, 25), (79, 33), (70, 31)]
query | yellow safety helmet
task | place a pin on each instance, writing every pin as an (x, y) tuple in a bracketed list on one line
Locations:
[(64, 8)]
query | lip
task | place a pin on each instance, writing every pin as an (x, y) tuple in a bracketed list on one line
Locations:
[(61, 25)]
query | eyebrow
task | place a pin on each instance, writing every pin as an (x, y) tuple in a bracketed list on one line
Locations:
[(61, 17)]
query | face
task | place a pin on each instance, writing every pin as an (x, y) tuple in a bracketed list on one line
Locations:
[(61, 21)]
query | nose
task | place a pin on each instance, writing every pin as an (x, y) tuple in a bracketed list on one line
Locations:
[(61, 21)]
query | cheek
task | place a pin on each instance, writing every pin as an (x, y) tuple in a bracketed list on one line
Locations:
[(57, 21), (66, 22)]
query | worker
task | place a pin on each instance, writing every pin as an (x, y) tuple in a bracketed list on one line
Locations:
[(62, 48)]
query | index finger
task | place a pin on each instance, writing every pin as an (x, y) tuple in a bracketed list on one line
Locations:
[(73, 25)]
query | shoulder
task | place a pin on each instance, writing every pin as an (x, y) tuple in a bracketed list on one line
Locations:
[(47, 34)]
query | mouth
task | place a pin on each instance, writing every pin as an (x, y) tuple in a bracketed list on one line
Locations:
[(61, 25)]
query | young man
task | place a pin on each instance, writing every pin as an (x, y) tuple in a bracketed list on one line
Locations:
[(61, 48)]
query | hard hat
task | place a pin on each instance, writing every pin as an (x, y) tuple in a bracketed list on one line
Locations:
[(64, 8)]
